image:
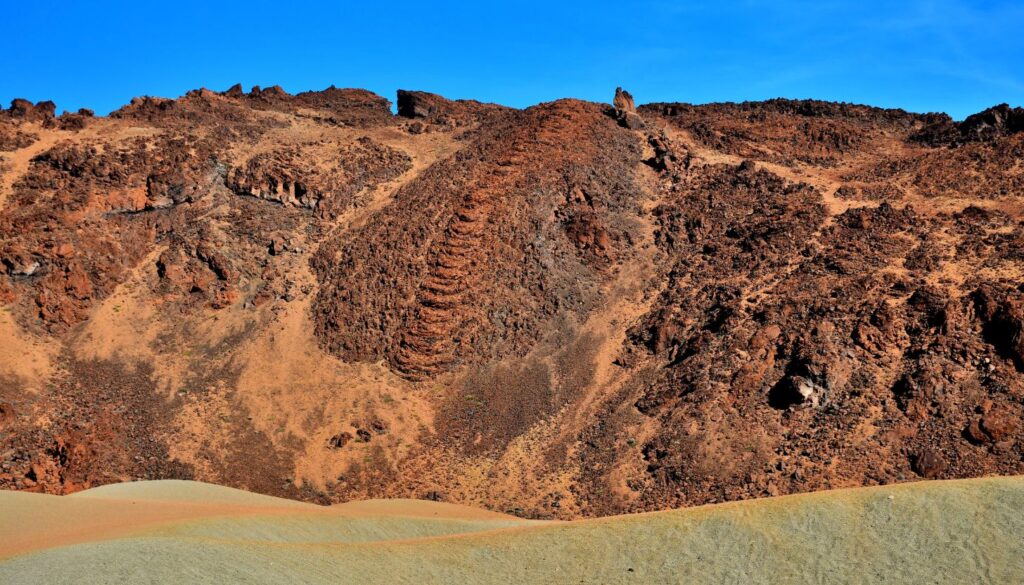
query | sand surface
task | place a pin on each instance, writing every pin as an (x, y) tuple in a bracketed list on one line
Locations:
[(964, 531)]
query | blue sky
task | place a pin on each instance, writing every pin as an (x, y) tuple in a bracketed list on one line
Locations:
[(948, 55)]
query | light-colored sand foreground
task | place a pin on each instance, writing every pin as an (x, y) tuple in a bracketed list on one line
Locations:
[(967, 531)]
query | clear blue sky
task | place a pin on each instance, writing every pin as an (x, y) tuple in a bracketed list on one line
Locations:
[(955, 56)]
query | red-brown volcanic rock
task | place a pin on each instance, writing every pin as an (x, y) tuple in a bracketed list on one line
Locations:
[(475, 256), (567, 310)]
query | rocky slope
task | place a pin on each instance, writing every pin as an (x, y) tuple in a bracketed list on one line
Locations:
[(570, 310)]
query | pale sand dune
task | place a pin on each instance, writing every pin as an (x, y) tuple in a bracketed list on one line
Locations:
[(31, 522), (966, 531), (177, 491), (186, 492)]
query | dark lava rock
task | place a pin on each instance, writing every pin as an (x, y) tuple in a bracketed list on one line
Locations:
[(928, 463)]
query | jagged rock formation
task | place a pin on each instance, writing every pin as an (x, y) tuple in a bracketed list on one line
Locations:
[(295, 176), (572, 309), (623, 101), (442, 112), (42, 112), (995, 122), (625, 110)]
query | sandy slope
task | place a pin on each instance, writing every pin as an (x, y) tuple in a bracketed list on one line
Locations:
[(966, 531)]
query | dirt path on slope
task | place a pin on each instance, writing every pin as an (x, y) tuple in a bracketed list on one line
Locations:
[(17, 162)]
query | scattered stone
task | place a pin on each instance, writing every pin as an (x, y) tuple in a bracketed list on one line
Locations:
[(993, 427), (6, 413), (434, 496), (797, 390), (277, 246), (340, 440), (928, 463), (21, 264)]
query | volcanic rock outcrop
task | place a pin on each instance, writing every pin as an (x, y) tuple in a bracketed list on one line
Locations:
[(625, 110), (573, 309), (995, 122), (484, 247), (296, 177)]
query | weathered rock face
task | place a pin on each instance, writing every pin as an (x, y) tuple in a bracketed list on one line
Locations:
[(476, 253), (995, 122), (13, 121), (623, 101), (233, 115), (438, 110), (625, 110), (419, 104), (41, 112), (279, 176), (787, 132), (837, 341), (570, 309), (346, 107), (305, 177), (73, 227), (1001, 120), (77, 121)]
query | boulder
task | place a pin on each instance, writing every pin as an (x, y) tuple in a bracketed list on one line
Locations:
[(76, 121), (20, 263), (419, 104), (235, 91), (40, 112), (1002, 318), (928, 463), (625, 110), (632, 120), (993, 427), (340, 440)]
